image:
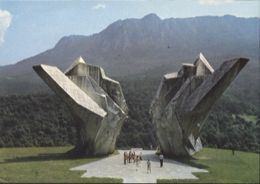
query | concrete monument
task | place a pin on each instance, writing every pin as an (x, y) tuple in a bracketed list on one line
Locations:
[(96, 102), (183, 101)]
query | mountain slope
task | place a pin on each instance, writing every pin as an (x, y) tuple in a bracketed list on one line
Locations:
[(132, 46)]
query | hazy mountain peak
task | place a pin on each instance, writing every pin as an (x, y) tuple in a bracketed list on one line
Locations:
[(151, 16), (229, 16), (69, 40)]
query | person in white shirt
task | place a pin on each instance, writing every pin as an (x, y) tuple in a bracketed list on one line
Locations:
[(149, 170), (161, 159)]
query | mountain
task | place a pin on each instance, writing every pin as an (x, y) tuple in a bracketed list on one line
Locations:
[(133, 47)]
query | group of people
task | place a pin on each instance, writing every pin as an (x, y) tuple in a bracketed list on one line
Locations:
[(137, 158), (132, 156)]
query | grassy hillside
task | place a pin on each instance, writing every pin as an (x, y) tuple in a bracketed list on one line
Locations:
[(223, 167), (44, 165)]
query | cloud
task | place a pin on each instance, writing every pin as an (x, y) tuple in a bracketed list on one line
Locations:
[(99, 6), (214, 2), (5, 21)]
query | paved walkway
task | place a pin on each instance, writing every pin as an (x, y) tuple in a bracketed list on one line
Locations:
[(114, 167)]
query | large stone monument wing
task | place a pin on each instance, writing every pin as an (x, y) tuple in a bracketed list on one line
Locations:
[(96, 102), (183, 101), (68, 90)]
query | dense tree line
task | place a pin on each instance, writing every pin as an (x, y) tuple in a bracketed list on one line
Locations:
[(35, 120), (44, 120)]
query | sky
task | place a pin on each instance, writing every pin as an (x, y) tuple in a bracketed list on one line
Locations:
[(30, 27)]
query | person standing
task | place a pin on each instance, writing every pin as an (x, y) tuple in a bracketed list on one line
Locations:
[(125, 157), (233, 151), (129, 156), (161, 159), (151, 146), (149, 170), (137, 161), (133, 156)]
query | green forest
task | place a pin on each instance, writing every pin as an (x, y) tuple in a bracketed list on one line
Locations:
[(42, 119)]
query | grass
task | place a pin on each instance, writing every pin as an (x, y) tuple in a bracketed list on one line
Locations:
[(44, 165), (248, 118), (223, 167)]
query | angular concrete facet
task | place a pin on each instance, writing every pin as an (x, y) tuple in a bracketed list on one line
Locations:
[(183, 101), (96, 102)]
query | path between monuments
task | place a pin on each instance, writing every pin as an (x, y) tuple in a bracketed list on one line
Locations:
[(113, 167)]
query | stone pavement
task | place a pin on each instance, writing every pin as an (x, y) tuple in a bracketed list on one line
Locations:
[(113, 167)]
